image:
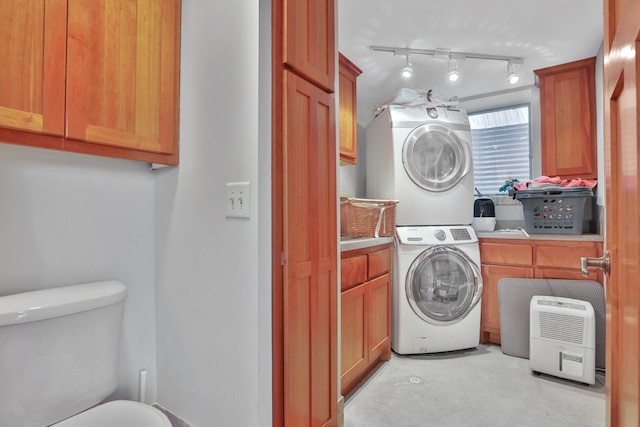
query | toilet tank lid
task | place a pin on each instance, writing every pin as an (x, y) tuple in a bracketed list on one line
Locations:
[(55, 302)]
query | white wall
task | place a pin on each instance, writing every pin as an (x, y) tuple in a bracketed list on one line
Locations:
[(70, 218), (213, 274)]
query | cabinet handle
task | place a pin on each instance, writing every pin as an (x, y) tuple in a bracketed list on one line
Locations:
[(603, 263)]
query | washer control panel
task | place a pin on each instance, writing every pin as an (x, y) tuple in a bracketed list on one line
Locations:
[(435, 235)]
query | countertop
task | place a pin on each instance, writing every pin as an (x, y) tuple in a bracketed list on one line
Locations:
[(517, 234), (351, 243)]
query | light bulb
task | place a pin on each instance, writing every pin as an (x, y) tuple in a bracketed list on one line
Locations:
[(453, 70), (512, 76), (407, 72)]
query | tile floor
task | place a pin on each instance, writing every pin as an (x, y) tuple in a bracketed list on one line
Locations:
[(480, 387)]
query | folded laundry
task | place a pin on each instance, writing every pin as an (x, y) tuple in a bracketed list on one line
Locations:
[(556, 181)]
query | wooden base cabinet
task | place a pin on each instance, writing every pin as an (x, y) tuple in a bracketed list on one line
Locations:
[(366, 313), (527, 259)]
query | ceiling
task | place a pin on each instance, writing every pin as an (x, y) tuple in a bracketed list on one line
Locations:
[(542, 32)]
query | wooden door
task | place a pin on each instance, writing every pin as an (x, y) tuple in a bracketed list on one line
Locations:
[(568, 120), (32, 60), (622, 136), (379, 317), (310, 255), (122, 73), (353, 337), (490, 308), (309, 40), (347, 74)]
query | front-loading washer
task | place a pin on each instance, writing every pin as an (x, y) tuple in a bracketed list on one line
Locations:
[(437, 289), (422, 156)]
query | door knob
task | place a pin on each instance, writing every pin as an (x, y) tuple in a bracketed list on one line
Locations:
[(604, 263)]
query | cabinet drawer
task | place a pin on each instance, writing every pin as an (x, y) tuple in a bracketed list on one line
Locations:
[(506, 254), (353, 271), (379, 262), (562, 256)]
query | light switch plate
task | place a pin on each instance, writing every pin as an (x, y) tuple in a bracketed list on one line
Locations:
[(238, 200)]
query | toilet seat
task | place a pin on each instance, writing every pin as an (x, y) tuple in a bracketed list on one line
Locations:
[(118, 413)]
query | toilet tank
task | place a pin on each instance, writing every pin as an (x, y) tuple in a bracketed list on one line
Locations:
[(58, 351)]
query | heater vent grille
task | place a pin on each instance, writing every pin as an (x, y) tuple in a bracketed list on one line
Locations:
[(562, 327)]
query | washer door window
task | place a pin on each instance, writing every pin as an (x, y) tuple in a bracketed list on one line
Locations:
[(443, 285), (435, 158)]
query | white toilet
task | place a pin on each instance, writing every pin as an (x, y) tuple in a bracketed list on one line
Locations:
[(59, 359)]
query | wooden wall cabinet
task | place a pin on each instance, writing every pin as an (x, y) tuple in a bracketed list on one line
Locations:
[(528, 259), (366, 312), (348, 72), (92, 77), (568, 119)]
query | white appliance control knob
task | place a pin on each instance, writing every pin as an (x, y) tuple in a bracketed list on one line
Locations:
[(440, 234)]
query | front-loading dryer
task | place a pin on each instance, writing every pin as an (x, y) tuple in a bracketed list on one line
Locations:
[(422, 157), (437, 290)]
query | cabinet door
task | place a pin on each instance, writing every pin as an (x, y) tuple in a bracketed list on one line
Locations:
[(309, 40), (506, 253), (567, 103), (354, 344), (310, 245), (491, 274), (122, 73), (353, 271), (32, 60), (379, 317), (347, 112), (379, 262)]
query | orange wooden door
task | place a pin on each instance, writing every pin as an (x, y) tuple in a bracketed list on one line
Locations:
[(353, 337), (379, 317), (490, 318), (32, 60), (347, 74), (621, 34), (622, 138), (567, 96), (309, 40), (310, 255), (122, 73)]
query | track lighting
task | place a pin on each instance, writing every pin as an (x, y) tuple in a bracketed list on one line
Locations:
[(407, 71), (512, 76), (453, 74), (453, 70)]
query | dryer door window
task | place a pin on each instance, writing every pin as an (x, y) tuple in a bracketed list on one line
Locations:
[(435, 158), (443, 285)]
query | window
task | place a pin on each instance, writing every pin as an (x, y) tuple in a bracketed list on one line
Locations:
[(501, 141)]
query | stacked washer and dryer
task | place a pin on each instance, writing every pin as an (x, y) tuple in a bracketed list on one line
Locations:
[(422, 157)]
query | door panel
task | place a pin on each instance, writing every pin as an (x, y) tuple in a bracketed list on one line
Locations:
[(121, 76), (622, 29), (379, 299), (310, 255), (32, 60)]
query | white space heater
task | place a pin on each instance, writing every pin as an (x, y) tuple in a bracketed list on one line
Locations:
[(562, 338)]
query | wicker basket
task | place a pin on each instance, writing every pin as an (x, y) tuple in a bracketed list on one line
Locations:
[(367, 218)]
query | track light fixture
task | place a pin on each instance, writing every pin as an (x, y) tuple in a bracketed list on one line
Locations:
[(453, 70), (407, 71), (453, 57), (512, 75)]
